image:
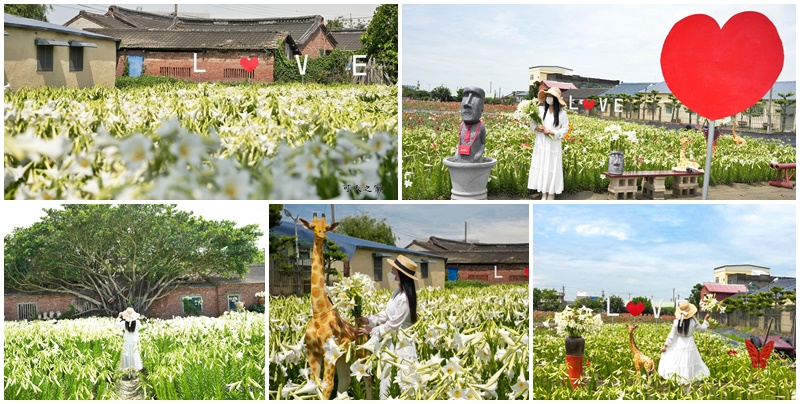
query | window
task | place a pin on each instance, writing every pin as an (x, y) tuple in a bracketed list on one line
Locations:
[(716, 280), (287, 50), (377, 262), (423, 270), (232, 299), (192, 305), (75, 59), (669, 110), (236, 73), (44, 58), (26, 311)]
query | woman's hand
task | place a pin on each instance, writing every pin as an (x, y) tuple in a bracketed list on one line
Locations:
[(119, 315), (540, 128), (362, 320), (664, 348), (366, 330)]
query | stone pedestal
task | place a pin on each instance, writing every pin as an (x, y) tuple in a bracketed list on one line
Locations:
[(469, 179)]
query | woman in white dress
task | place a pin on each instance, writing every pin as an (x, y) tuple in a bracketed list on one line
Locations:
[(680, 357), (128, 321), (546, 174), (400, 312)]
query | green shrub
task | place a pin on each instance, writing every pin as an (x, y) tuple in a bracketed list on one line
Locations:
[(258, 308), (144, 81), (464, 284)]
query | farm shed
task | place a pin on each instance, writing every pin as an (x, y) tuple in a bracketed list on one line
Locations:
[(38, 54)]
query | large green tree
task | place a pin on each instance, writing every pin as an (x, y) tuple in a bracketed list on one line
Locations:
[(124, 255), (545, 300), (34, 11), (380, 39), (275, 214), (368, 228), (694, 297)]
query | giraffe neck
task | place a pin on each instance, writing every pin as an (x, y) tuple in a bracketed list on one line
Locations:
[(319, 301), (633, 343)]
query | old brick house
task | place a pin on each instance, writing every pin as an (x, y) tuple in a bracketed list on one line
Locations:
[(156, 44), (477, 261), (212, 297), (348, 39)]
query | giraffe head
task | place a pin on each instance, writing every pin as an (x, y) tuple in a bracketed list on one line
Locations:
[(319, 226), (631, 327)]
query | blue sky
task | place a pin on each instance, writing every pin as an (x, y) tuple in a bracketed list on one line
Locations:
[(487, 223), (473, 45), (648, 249)]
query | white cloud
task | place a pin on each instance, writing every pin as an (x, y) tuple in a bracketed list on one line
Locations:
[(601, 229)]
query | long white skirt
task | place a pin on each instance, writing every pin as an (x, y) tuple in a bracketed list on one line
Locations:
[(682, 359), (546, 173), (130, 357)]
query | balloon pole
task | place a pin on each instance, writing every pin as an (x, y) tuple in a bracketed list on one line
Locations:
[(710, 146)]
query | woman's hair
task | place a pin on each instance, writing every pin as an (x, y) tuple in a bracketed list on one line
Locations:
[(410, 289), (683, 326), (556, 110), (130, 325)]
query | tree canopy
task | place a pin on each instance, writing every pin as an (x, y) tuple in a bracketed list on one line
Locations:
[(34, 11), (380, 39), (126, 255), (367, 228)]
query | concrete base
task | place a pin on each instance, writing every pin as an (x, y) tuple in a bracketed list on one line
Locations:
[(469, 179)]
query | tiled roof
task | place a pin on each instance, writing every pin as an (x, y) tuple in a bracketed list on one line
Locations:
[(140, 19), (628, 88), (257, 274), (724, 288), (301, 28), (460, 252), (195, 40), (14, 21), (349, 39), (100, 19)]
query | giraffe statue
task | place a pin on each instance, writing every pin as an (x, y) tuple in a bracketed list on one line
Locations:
[(326, 321), (738, 140), (639, 359)]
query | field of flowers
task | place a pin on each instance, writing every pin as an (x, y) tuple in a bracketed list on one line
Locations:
[(191, 358), (201, 141), (471, 343), (609, 372), (429, 137)]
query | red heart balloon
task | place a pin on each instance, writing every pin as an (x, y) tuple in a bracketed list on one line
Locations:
[(721, 72), (635, 308), (249, 64), (588, 104), (527, 272)]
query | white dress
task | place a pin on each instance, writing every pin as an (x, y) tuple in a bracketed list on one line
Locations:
[(546, 174), (396, 315), (130, 357), (682, 359)]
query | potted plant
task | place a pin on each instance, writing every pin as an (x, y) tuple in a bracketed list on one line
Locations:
[(574, 323), (260, 296)]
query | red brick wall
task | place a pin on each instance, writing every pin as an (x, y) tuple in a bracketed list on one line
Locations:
[(44, 303), (318, 42), (213, 62), (485, 273)]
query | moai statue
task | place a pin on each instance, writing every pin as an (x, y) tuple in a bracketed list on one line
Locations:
[(471, 133)]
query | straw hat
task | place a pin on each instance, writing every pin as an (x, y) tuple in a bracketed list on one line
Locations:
[(130, 315), (685, 310), (555, 92), (404, 265)]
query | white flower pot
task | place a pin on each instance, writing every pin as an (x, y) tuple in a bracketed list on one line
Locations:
[(469, 179)]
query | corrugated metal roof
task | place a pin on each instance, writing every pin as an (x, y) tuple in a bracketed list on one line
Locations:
[(628, 88), (724, 288), (14, 21), (783, 87), (786, 283), (348, 244)]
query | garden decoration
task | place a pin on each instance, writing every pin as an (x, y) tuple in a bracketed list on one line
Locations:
[(737, 140), (759, 357), (640, 360), (326, 324), (740, 83), (469, 169), (573, 322)]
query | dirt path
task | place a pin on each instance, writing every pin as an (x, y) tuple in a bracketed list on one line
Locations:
[(757, 191), (129, 389)]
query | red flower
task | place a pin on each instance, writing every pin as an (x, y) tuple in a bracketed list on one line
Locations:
[(588, 363), (526, 145), (434, 145), (641, 159), (655, 138), (733, 352)]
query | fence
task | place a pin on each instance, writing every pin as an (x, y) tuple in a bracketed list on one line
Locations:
[(783, 321), (294, 280)]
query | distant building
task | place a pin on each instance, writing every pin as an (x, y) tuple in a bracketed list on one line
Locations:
[(489, 263), (722, 273), (721, 291), (38, 54), (541, 73), (348, 39)]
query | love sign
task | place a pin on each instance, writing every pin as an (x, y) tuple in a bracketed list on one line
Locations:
[(249, 64), (635, 308), (588, 104), (527, 273), (721, 72)]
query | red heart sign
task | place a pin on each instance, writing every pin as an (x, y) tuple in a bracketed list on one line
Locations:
[(527, 272), (588, 104), (721, 72), (249, 64), (635, 308)]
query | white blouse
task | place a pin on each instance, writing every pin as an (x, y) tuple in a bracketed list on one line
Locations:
[(694, 325), (396, 315)]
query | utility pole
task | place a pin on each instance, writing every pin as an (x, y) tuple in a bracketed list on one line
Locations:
[(465, 232), (333, 213), (176, 11)]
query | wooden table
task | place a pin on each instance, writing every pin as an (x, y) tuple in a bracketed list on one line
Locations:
[(623, 186)]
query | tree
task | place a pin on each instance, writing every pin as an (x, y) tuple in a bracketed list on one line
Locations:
[(785, 103), (675, 105), (340, 23), (441, 93), (275, 215), (617, 304), (651, 100), (380, 39), (648, 307), (124, 256), (598, 305), (545, 300), (694, 297), (459, 94), (34, 11), (331, 253), (367, 228)]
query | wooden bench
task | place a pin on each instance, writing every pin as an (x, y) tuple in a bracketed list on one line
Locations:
[(623, 186), (785, 173)]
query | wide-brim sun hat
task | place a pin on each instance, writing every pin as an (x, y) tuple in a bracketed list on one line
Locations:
[(686, 310), (555, 92), (404, 265), (130, 314)]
